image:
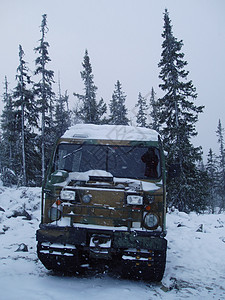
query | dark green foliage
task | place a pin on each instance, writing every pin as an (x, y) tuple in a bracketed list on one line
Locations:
[(89, 110), (154, 114), (62, 114), (221, 159), (212, 169), (178, 116), (26, 118), (22, 148), (18, 142), (45, 95), (8, 138), (141, 118), (216, 172), (118, 110)]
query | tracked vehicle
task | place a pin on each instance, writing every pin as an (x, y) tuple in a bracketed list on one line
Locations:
[(104, 202)]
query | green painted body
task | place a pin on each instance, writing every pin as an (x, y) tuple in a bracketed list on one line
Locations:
[(103, 219)]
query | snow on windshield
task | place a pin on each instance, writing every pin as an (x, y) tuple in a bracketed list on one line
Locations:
[(133, 184)]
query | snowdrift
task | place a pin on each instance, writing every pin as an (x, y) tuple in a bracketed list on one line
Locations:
[(195, 258)]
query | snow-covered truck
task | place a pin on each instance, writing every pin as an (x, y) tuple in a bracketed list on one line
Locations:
[(104, 202)]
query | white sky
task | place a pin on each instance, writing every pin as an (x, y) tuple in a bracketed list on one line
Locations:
[(123, 38)]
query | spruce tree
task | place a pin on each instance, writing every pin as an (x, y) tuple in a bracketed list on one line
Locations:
[(89, 111), (62, 114), (178, 116), (154, 111), (7, 126), (8, 139), (141, 118), (45, 94), (118, 110), (220, 133), (213, 175), (25, 113)]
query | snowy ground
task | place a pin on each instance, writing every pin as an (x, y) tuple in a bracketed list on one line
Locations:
[(195, 261)]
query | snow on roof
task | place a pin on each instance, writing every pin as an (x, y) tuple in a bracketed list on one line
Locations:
[(111, 132)]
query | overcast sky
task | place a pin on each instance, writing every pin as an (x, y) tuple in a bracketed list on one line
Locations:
[(123, 38)]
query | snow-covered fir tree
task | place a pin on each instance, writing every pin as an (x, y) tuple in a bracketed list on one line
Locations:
[(221, 159), (89, 110), (118, 110), (45, 94), (141, 118), (154, 111), (8, 127), (213, 175), (8, 139), (178, 116), (26, 116), (62, 114)]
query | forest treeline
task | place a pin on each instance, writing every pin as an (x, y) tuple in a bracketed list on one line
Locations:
[(34, 116)]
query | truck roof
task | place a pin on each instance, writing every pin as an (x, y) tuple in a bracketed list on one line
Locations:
[(111, 132)]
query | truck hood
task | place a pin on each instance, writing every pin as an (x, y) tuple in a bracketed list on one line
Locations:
[(101, 178)]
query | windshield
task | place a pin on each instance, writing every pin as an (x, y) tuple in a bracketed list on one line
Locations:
[(121, 161)]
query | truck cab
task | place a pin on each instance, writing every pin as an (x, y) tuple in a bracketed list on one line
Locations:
[(104, 202)]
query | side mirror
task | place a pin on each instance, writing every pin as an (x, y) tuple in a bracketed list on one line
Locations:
[(59, 176)]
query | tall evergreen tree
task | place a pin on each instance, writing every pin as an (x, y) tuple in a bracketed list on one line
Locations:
[(89, 111), (62, 114), (142, 111), (154, 111), (212, 170), (7, 126), (45, 94), (25, 112), (220, 133), (8, 138), (118, 110), (178, 116)]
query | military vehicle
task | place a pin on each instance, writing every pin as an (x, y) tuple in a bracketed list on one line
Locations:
[(104, 202)]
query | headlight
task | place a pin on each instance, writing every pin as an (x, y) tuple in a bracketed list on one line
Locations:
[(67, 195), (134, 200), (86, 198), (54, 214), (150, 221)]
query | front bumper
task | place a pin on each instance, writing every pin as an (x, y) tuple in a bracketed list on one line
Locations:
[(74, 249), (81, 238)]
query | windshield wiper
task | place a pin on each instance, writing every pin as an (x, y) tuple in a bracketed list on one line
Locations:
[(73, 152)]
